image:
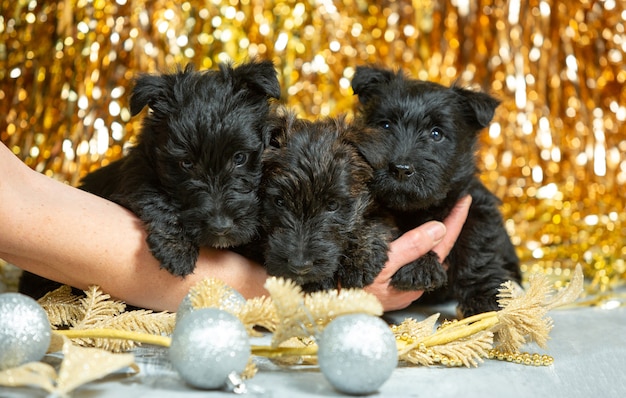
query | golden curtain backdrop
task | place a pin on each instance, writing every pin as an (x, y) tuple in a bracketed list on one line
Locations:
[(555, 153)]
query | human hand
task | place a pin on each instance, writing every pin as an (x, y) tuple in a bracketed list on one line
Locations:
[(433, 235)]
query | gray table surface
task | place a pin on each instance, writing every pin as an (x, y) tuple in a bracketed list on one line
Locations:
[(588, 346)]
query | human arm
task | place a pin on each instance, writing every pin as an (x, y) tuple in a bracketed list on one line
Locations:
[(433, 235)]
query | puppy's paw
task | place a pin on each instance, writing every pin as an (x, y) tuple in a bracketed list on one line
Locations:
[(176, 256), (425, 273), (368, 265)]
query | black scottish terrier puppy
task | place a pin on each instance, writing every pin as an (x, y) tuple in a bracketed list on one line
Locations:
[(194, 174), (316, 207), (420, 138)]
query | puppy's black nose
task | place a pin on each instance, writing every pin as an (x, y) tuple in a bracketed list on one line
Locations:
[(401, 171), (222, 225), (300, 267)]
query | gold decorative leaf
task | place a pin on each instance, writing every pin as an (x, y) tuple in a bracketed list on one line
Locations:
[(79, 366), (452, 344), (62, 307), (418, 357), (250, 371), (304, 315), (98, 311), (468, 352), (143, 321), (97, 306), (295, 351), (259, 311), (333, 303), (523, 317), (37, 374), (569, 294), (289, 304), (56, 342), (84, 364), (212, 293), (415, 330)]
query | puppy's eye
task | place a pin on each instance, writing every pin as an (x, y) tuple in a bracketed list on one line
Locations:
[(186, 164), (436, 134), (385, 124), (240, 158), (279, 202), (332, 205)]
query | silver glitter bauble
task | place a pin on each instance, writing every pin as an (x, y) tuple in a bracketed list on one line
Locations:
[(357, 353), (230, 301), (207, 345), (184, 308), (24, 330)]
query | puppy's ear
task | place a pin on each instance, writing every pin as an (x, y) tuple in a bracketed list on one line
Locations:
[(273, 137), (257, 76), (482, 105), (272, 132), (148, 90), (276, 127), (367, 80)]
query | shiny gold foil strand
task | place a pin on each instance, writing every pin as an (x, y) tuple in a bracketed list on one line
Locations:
[(541, 180), (579, 216), (316, 46)]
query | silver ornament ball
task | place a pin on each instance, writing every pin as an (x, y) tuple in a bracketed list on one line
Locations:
[(207, 345), (184, 308), (24, 330), (357, 353)]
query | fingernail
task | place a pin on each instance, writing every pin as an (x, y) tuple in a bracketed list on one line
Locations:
[(436, 230)]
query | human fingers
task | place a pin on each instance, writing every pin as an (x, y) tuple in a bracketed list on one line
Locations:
[(390, 298), (454, 224)]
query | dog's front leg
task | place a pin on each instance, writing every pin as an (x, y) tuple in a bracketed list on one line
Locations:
[(426, 273), (367, 253), (166, 238), (174, 251)]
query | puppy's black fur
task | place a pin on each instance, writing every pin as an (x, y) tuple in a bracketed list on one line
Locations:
[(193, 176), (420, 138), (316, 207)]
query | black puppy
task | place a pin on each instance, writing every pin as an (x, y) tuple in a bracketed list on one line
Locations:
[(316, 207), (194, 174), (420, 138)]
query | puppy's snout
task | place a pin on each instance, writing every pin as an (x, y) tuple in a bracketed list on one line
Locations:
[(401, 171), (300, 266), (222, 225)]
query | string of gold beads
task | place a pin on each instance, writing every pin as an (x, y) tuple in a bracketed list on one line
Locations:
[(403, 337), (446, 323), (522, 358)]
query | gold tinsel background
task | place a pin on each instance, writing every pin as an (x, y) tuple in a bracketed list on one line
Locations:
[(555, 153)]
